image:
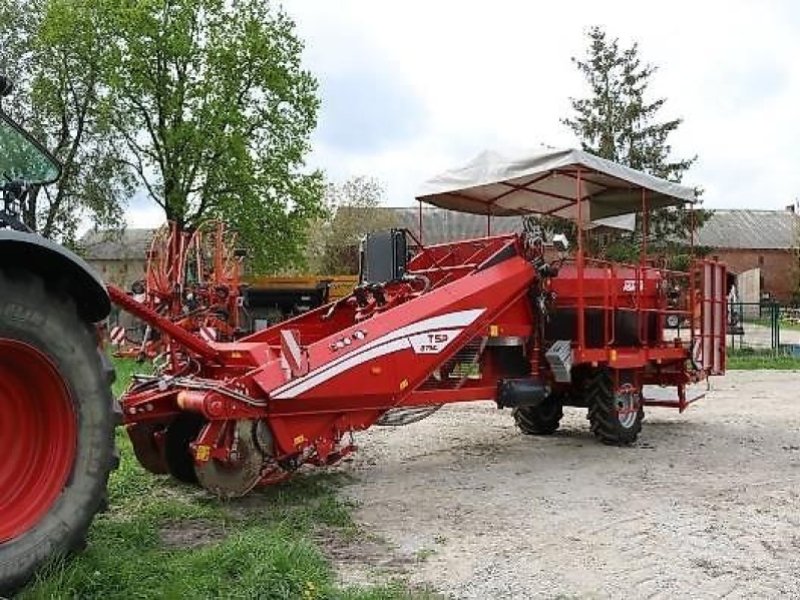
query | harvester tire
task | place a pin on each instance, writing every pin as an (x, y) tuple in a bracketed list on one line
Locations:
[(542, 419), (57, 422), (607, 422), (183, 430)]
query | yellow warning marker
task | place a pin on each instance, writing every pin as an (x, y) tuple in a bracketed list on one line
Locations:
[(494, 330), (202, 453)]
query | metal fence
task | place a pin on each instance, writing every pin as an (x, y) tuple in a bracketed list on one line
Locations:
[(765, 327)]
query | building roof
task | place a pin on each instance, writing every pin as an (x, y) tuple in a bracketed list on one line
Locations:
[(751, 229), (440, 225), (116, 244), (740, 229)]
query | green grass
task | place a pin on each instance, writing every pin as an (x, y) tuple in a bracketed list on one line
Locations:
[(782, 323), (161, 539), (748, 359)]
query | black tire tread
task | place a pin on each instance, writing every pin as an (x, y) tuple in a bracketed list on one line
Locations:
[(183, 430), (540, 420), (63, 530), (604, 424)]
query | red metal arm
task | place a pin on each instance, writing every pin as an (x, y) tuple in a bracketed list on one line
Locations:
[(179, 334)]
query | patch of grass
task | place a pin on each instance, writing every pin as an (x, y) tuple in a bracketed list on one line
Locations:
[(748, 359), (424, 554), (127, 368), (260, 546), (782, 323)]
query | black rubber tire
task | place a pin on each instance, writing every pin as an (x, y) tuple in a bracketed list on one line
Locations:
[(183, 430), (603, 418), (540, 420), (48, 320)]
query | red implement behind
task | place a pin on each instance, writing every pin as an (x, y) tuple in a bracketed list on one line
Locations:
[(192, 279)]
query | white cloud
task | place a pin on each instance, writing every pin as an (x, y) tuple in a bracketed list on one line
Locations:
[(143, 215), (499, 75)]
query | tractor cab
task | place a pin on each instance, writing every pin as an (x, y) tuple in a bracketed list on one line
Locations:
[(24, 166)]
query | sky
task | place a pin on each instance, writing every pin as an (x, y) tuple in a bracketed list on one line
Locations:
[(412, 88)]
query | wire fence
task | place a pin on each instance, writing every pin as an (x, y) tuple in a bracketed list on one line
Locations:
[(765, 327)]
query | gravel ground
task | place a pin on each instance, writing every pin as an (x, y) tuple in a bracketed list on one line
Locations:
[(705, 505)]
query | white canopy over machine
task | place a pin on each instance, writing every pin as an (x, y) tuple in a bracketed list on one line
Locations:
[(546, 183)]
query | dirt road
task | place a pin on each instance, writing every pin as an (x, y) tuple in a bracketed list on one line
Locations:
[(706, 505)]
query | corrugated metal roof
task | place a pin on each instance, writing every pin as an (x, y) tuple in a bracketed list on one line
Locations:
[(744, 229), (116, 244), (751, 229), (440, 225)]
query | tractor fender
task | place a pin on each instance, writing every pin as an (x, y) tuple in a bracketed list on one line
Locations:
[(57, 265)]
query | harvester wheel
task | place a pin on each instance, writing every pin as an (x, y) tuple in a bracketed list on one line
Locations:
[(540, 420), (615, 415), (56, 427), (179, 434)]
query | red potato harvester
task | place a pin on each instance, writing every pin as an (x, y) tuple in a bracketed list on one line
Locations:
[(479, 319)]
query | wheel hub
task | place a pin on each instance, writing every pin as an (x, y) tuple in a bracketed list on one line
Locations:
[(38, 437), (627, 401)]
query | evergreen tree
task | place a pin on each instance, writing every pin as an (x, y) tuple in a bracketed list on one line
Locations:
[(617, 120)]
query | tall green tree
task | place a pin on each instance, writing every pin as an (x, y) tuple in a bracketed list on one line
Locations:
[(53, 50), (618, 120), (211, 102)]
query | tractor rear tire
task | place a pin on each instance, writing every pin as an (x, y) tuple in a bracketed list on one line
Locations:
[(540, 420), (614, 419), (57, 422)]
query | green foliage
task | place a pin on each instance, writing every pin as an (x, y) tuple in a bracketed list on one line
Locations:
[(353, 210), (215, 111), (161, 539), (618, 121), (52, 49), (618, 250)]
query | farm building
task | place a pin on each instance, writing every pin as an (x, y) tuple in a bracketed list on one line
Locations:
[(745, 240), (118, 256), (766, 240)]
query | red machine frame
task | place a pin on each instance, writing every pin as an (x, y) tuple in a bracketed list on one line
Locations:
[(192, 277), (467, 321)]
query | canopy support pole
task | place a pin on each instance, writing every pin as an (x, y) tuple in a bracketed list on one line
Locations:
[(579, 265), (642, 273), (421, 241)]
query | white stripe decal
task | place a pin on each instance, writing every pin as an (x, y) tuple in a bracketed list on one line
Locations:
[(386, 344), (311, 382)]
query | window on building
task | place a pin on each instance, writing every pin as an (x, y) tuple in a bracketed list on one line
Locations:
[(716, 257), (760, 261)]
